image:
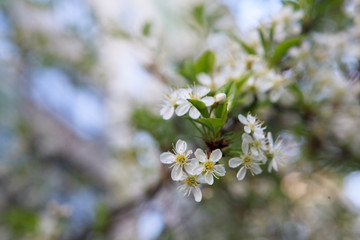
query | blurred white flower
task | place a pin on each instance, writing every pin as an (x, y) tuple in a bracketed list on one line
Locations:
[(208, 166), (274, 153), (249, 161), (287, 23), (179, 160), (191, 184), (213, 83), (252, 125), (197, 93), (169, 104)]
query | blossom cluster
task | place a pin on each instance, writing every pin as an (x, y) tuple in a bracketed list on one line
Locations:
[(177, 101), (257, 149), (193, 171)]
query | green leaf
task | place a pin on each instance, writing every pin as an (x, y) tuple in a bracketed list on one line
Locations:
[(187, 70), (295, 4), (200, 106), (205, 63), (282, 48), (101, 218), (214, 124), (146, 30), (220, 110), (225, 88), (198, 14), (242, 80), (263, 41), (19, 220), (246, 47), (231, 96)]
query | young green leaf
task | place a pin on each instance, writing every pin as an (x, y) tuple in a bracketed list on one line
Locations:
[(200, 106), (282, 48), (205, 63)]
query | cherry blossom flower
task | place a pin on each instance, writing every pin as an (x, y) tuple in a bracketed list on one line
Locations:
[(249, 161), (274, 153), (179, 160), (191, 183), (208, 166), (252, 125), (197, 93), (169, 105)]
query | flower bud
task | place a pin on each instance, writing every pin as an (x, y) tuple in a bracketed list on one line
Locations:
[(220, 98)]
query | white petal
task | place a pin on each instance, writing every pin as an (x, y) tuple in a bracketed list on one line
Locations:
[(251, 119), (270, 140), (183, 177), (200, 155), (181, 146), (275, 95), (184, 93), (197, 170), (241, 174), (245, 147), (189, 168), (255, 169), (182, 108), (273, 165), (201, 179), (197, 194), (220, 170), (167, 112), (201, 91), (176, 173), (204, 79), (242, 119), (209, 178), (234, 162), (167, 158), (194, 113), (259, 134), (215, 155), (247, 129), (208, 101)]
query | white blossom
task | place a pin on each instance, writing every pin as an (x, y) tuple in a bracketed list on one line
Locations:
[(179, 160), (208, 166), (213, 83), (191, 183), (274, 153), (249, 161), (252, 125), (198, 93), (169, 104)]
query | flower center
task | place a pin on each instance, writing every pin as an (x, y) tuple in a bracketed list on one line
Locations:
[(191, 181), (181, 159), (247, 160), (208, 166)]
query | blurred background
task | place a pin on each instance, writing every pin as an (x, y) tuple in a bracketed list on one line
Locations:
[(80, 130)]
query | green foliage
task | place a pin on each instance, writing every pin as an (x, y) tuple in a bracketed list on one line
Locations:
[(282, 48), (20, 221), (146, 30), (160, 129), (205, 63), (200, 106), (199, 15), (187, 70), (102, 218), (190, 69), (246, 47)]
